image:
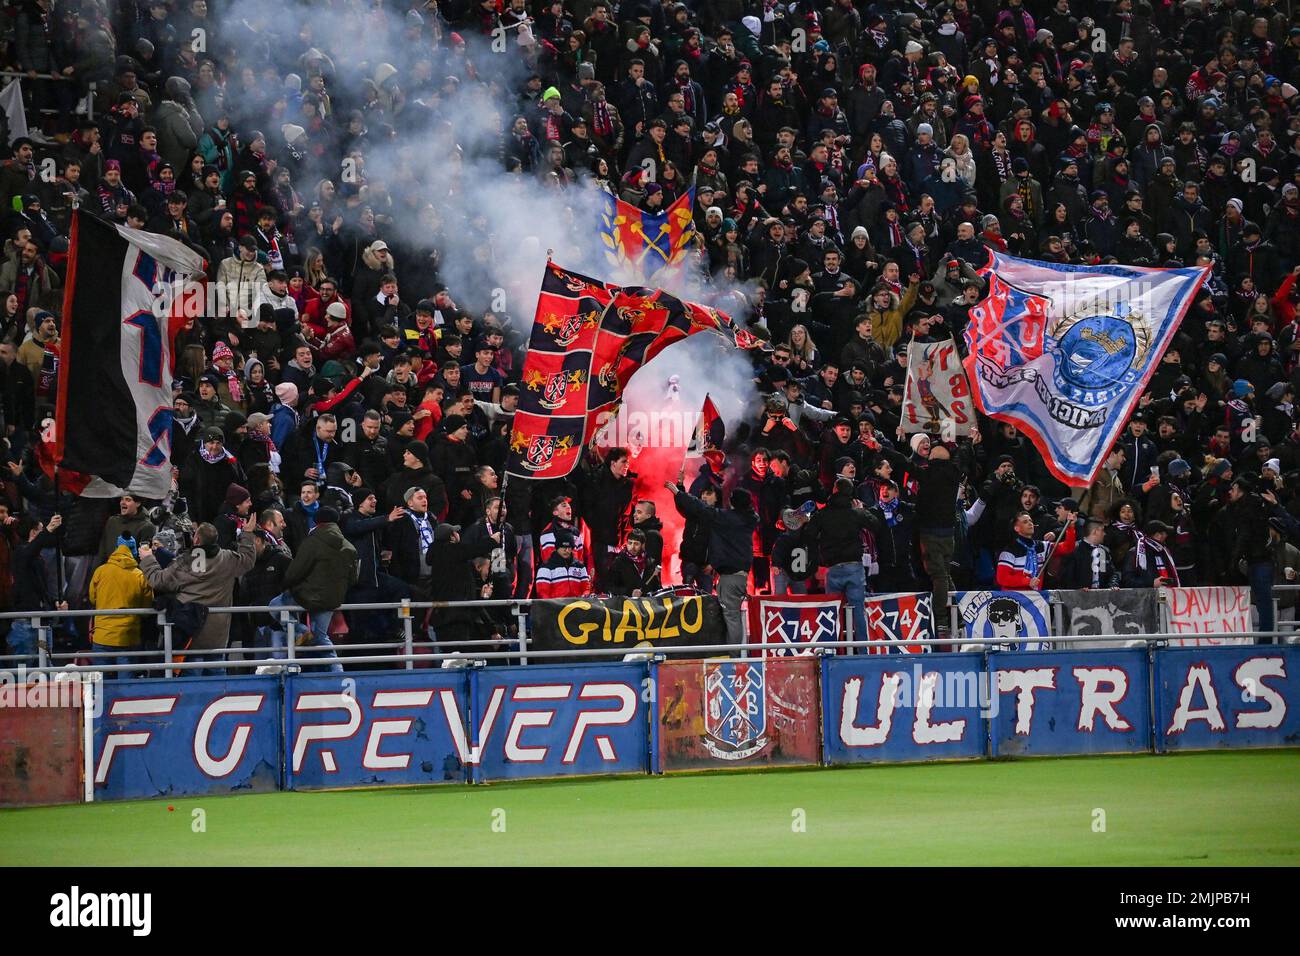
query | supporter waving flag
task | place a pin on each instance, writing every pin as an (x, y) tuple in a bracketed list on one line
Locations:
[(121, 312), (1063, 352)]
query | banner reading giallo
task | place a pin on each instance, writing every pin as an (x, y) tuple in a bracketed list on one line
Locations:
[(670, 620)]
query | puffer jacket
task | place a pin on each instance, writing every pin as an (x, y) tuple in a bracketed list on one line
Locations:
[(119, 583), (887, 324), (178, 123), (322, 570), (837, 529), (731, 533)]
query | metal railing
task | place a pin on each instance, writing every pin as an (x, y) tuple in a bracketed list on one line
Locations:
[(43, 623), (91, 87), (240, 658), (20, 75)]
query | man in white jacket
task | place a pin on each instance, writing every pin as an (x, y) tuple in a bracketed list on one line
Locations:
[(240, 280)]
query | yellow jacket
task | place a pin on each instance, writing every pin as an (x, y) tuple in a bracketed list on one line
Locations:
[(887, 325), (119, 583)]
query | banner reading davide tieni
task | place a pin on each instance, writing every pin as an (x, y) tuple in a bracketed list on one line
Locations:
[(1063, 352)]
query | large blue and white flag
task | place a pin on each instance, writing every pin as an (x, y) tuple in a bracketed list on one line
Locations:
[(1063, 352)]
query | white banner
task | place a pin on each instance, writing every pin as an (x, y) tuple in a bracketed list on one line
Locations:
[(1217, 610), (937, 398)]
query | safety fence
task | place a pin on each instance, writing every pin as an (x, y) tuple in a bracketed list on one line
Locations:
[(785, 625), (89, 739)]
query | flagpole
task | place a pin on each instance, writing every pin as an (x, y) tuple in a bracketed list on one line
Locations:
[(58, 541)]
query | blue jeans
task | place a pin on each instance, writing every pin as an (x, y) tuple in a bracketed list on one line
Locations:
[(113, 658), (783, 585), (22, 640), (849, 580), (319, 627), (1260, 575)]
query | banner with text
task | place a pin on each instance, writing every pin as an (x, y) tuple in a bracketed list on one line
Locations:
[(936, 398), (792, 623), (556, 720), (187, 737), (886, 710), (375, 729), (733, 714), (1092, 702), (1227, 697), (1204, 611), (672, 620)]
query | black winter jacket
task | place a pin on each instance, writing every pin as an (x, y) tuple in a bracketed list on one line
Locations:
[(731, 533), (837, 529)]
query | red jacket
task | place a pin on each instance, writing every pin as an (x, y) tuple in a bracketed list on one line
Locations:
[(1014, 563), (338, 344), (313, 312), (556, 579)]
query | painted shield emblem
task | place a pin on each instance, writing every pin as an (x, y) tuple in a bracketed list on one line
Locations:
[(1099, 356), (568, 333), (540, 452), (557, 386), (735, 709)]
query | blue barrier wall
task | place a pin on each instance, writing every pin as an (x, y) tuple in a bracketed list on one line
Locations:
[(372, 729), (558, 720), (1080, 702), (193, 736), (1208, 698), (902, 709)]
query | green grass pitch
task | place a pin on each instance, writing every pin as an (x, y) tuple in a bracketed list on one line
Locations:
[(1240, 808)]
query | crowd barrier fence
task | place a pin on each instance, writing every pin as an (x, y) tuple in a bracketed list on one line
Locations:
[(194, 736), (536, 707), (784, 624)]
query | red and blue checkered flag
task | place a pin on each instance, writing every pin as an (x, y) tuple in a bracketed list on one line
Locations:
[(588, 340), (1063, 352)]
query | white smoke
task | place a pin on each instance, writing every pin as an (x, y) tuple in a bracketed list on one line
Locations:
[(493, 230)]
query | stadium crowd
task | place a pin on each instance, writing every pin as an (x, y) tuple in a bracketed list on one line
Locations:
[(341, 435)]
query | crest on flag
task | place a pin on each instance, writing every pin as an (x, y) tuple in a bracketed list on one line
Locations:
[(792, 623), (735, 709), (1063, 352), (899, 621), (1100, 355)]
